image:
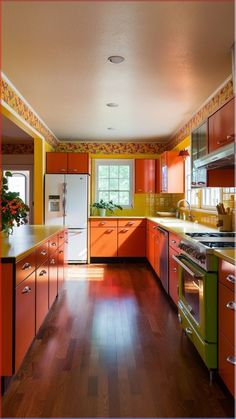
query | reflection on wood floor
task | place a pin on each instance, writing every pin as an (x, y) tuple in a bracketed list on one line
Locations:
[(112, 347)]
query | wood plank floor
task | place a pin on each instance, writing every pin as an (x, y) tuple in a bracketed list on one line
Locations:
[(112, 347)]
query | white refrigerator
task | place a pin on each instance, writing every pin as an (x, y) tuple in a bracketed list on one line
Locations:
[(66, 204)]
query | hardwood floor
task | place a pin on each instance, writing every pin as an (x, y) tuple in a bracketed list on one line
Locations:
[(112, 347)]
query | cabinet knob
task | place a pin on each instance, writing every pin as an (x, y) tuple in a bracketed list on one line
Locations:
[(103, 223), (26, 266), (124, 230), (52, 262), (63, 170), (231, 305), (53, 244), (110, 230), (231, 278), (43, 252), (173, 241), (26, 290), (189, 331), (231, 359), (174, 269), (130, 223), (60, 252), (43, 272)]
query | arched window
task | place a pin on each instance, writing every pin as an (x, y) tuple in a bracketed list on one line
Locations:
[(19, 182)]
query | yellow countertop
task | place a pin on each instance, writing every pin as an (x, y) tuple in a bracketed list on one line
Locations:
[(138, 217), (25, 239), (227, 254)]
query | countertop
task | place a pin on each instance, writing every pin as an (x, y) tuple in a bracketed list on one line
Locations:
[(25, 239), (227, 254)]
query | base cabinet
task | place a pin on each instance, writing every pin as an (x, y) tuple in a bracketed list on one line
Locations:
[(53, 273), (131, 242), (60, 268), (24, 317), (41, 294), (173, 276), (103, 242)]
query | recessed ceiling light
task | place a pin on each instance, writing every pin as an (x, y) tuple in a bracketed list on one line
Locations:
[(116, 59), (112, 105), (110, 128)]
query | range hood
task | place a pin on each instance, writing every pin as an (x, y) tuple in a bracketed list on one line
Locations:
[(223, 157)]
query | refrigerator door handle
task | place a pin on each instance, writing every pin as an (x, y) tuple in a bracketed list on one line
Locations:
[(64, 199)]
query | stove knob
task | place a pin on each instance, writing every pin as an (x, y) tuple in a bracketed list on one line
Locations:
[(190, 250)]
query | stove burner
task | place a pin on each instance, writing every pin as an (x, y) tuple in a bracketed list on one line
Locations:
[(211, 234), (219, 245)]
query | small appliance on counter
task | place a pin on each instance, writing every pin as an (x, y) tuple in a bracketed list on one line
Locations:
[(224, 218)]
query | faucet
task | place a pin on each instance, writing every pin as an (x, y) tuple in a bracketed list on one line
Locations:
[(190, 216)]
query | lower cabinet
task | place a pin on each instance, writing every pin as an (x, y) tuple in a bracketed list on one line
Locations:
[(103, 242), (53, 273), (173, 276), (60, 268), (131, 242), (42, 287), (24, 317)]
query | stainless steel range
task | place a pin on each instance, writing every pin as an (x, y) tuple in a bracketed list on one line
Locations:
[(199, 247)]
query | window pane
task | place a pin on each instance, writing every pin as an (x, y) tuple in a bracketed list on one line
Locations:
[(103, 184), (17, 183), (114, 196), (124, 184), (103, 171), (124, 198), (103, 195), (124, 172), (113, 184), (113, 171)]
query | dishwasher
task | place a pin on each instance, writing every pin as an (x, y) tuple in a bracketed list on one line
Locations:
[(164, 257)]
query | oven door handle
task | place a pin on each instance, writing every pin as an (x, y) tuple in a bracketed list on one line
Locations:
[(191, 271)]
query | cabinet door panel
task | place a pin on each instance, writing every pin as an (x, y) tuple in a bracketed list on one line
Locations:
[(41, 294), (56, 162), (227, 305), (157, 253), (78, 163), (25, 318), (144, 176), (25, 267), (132, 242), (221, 127), (227, 274), (103, 242), (226, 368), (53, 286), (60, 269), (173, 276)]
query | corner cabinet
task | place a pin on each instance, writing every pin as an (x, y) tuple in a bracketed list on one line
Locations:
[(171, 172), (221, 126), (73, 163), (144, 176)]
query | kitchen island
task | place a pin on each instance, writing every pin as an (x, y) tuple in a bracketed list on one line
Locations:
[(33, 260)]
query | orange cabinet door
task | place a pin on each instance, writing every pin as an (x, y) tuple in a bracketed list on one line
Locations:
[(56, 162), (173, 276), (103, 242), (221, 127), (227, 274), (226, 357), (144, 176), (158, 175), (52, 287), (24, 318), (150, 247), (172, 172), (78, 163), (41, 294), (132, 242), (60, 267), (227, 307), (157, 253)]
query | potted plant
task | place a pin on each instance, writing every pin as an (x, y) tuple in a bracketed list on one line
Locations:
[(102, 206), (13, 209)]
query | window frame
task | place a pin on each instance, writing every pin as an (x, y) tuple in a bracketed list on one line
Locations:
[(116, 162)]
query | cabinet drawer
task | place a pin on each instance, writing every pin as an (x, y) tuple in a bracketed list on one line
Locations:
[(104, 222), (42, 254), (132, 223), (174, 241), (151, 226), (53, 280), (25, 267), (227, 308), (53, 245), (25, 318), (41, 294), (131, 242), (61, 238), (227, 274), (173, 276), (226, 355)]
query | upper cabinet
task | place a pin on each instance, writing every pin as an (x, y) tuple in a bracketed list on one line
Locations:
[(145, 176), (68, 163), (171, 172), (199, 140), (221, 127)]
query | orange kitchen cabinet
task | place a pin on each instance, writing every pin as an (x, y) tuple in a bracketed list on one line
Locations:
[(103, 241), (171, 172), (56, 162), (221, 127), (150, 247), (223, 178), (132, 242), (145, 176), (157, 252), (158, 175), (226, 369), (52, 284), (24, 317), (60, 267), (227, 307), (173, 276), (42, 287), (78, 163), (227, 274)]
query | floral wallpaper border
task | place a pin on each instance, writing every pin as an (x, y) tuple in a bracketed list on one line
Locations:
[(219, 99), (112, 148), (17, 148), (10, 97)]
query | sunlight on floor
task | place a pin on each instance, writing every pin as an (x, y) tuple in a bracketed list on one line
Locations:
[(80, 273)]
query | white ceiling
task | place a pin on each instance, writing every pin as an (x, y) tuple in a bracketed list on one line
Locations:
[(176, 54), (12, 134)]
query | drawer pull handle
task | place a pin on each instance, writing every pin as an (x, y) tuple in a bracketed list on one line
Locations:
[(189, 331), (43, 272), (231, 278), (103, 223), (61, 237), (26, 290), (52, 262), (231, 305), (53, 244), (61, 251), (179, 318), (174, 269), (43, 252), (130, 223), (173, 241), (110, 230), (26, 266), (231, 359), (63, 170), (124, 230)]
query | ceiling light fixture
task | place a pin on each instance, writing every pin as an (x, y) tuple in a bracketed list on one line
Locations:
[(116, 59), (184, 153), (110, 128), (112, 105)]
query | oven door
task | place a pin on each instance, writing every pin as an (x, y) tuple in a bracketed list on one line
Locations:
[(198, 297)]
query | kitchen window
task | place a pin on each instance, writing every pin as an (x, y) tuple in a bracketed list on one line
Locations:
[(114, 181)]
